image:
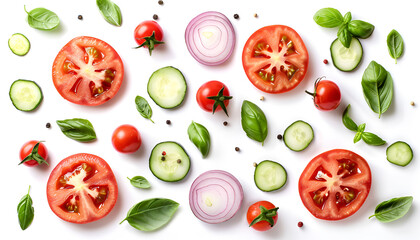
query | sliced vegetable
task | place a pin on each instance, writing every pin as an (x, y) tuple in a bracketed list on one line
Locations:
[(42, 19), (110, 11), (346, 59), (378, 88), (151, 214), (399, 153), (393, 209), (298, 136), (169, 162), (144, 108), (253, 121), (200, 136), (25, 211), (215, 196), (210, 38), (139, 182), (269, 176), (19, 44), (77, 129), (167, 87), (26, 95), (395, 44)]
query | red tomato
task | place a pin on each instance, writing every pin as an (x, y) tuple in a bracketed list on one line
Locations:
[(148, 34), (327, 95), (33, 157), (211, 98), (254, 211), (82, 188), (335, 184), (126, 139), (87, 71), (275, 59)]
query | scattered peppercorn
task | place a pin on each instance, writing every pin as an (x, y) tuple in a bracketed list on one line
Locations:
[(162, 158), (262, 98), (255, 15), (160, 2), (237, 149), (168, 122), (235, 16), (412, 103), (48, 125), (178, 161), (80, 17), (279, 137), (254, 164), (155, 17), (300, 224), (325, 61), (163, 153), (225, 123)]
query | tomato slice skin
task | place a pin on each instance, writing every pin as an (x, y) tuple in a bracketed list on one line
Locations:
[(82, 188), (275, 59), (335, 184), (87, 71)]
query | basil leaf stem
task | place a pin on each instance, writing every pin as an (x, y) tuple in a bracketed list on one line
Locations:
[(25, 211)]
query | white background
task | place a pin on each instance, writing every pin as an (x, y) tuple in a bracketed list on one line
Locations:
[(400, 122)]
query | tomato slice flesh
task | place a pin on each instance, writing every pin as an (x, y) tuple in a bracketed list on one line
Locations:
[(335, 184)]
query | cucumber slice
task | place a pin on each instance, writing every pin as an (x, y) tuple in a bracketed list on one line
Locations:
[(399, 153), (269, 176), (169, 162), (298, 136), (26, 95), (167, 87), (346, 59), (19, 44)]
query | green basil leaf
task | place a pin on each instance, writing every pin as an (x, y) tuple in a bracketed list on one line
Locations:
[(25, 211), (328, 17), (392, 209), (77, 129), (344, 36), (151, 214), (199, 135), (357, 137), (395, 44), (347, 121), (253, 121), (361, 128), (372, 139), (360, 28), (110, 11), (42, 19), (377, 87), (144, 108), (347, 18), (139, 182)]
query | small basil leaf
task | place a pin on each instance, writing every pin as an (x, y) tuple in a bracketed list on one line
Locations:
[(77, 129), (393, 209), (110, 11), (357, 137), (377, 87), (395, 44), (253, 121), (139, 182), (360, 28), (347, 121), (372, 139), (151, 214), (347, 18), (144, 108), (199, 135), (361, 128), (344, 36), (25, 211), (328, 17), (42, 19)]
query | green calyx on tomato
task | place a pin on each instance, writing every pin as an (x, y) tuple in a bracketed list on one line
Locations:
[(265, 215), (34, 155), (219, 100), (149, 42)]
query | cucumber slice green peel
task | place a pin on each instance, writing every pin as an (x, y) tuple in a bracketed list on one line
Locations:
[(346, 59), (19, 44), (298, 136), (269, 176), (399, 153), (26, 95)]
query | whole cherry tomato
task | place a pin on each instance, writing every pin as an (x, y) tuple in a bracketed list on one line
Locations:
[(33, 153), (327, 95), (126, 139), (148, 34), (262, 215), (213, 96)]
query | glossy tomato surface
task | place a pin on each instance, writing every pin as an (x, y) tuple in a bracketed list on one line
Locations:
[(26, 150), (210, 89), (126, 139), (82, 188), (335, 184), (146, 29), (275, 59), (327, 95), (87, 71), (254, 211)]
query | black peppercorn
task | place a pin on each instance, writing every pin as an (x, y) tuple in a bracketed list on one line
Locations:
[(237, 149), (279, 137), (48, 125), (80, 17), (160, 2), (168, 122), (225, 123), (236, 16), (155, 17)]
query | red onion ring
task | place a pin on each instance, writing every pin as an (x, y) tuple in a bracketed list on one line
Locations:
[(215, 196), (210, 38)]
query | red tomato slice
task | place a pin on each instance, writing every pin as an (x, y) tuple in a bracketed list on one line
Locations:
[(335, 184), (82, 188), (87, 71), (275, 59)]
